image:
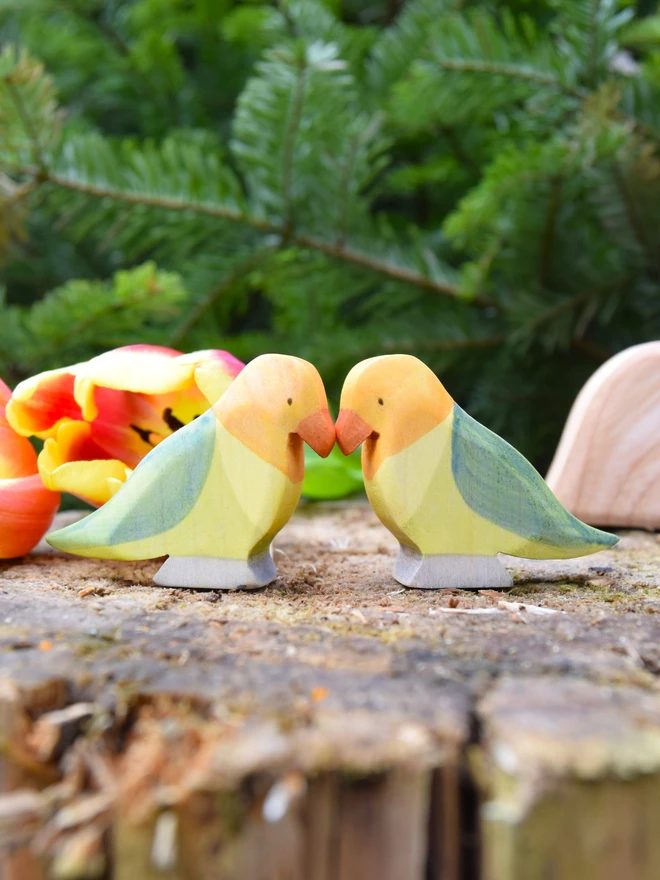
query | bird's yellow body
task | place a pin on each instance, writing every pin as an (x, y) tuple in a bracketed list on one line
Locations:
[(244, 503), (416, 497)]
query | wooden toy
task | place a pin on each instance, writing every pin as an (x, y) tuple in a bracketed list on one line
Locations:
[(214, 494), (453, 493), (607, 466)]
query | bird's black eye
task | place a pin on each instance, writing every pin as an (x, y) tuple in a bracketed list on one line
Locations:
[(290, 401), (381, 401)]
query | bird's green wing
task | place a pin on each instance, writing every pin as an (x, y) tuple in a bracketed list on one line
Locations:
[(162, 490), (499, 484)]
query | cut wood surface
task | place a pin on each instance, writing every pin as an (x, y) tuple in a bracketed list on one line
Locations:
[(607, 466), (332, 726)]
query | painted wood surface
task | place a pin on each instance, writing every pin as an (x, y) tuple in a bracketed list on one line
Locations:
[(607, 466), (452, 492), (213, 495)]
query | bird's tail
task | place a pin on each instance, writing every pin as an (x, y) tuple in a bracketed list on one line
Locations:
[(158, 495), (90, 536)]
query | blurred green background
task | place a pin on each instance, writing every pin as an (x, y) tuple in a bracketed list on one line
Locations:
[(474, 183)]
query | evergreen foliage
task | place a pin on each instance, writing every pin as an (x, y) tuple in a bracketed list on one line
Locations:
[(467, 182)]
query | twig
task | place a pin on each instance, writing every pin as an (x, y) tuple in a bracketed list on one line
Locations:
[(205, 304), (634, 219), (512, 72), (574, 301), (337, 251)]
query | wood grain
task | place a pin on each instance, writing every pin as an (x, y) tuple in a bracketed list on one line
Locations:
[(607, 466)]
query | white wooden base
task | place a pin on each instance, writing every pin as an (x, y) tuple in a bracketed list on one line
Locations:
[(211, 573), (447, 571)]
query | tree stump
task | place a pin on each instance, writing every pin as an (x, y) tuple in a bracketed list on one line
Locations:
[(333, 726)]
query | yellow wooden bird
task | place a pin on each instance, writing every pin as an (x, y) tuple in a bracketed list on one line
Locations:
[(214, 494), (453, 493)]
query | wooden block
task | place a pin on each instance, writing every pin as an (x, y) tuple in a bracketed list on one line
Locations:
[(446, 825), (207, 573), (607, 466), (213, 495), (382, 827), (574, 786), (453, 493), (449, 571)]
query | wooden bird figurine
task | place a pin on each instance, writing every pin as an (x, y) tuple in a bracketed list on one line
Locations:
[(607, 466), (453, 493), (214, 494)]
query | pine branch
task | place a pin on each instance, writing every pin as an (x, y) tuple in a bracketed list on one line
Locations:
[(513, 72), (339, 252), (194, 317), (571, 303), (82, 310)]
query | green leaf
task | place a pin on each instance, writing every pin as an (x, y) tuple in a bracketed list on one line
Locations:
[(333, 477)]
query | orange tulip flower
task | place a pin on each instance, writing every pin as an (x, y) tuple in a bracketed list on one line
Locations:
[(27, 507), (101, 417)]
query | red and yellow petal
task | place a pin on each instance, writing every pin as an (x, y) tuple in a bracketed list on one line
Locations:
[(124, 424), (18, 457), (40, 404), (5, 394), (215, 370), (152, 370), (143, 369), (133, 397), (128, 424), (27, 509), (73, 462)]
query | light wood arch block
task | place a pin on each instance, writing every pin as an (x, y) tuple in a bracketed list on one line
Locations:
[(606, 470)]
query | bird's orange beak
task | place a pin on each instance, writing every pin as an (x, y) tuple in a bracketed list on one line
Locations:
[(351, 431), (318, 431)]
